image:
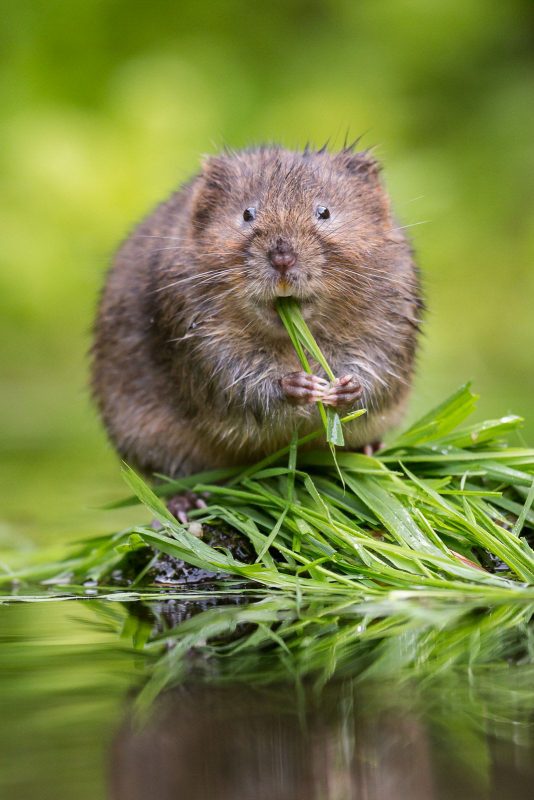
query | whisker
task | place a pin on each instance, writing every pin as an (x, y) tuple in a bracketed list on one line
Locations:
[(207, 277), (412, 225), (157, 236)]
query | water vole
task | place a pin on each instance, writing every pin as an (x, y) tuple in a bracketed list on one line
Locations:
[(192, 367)]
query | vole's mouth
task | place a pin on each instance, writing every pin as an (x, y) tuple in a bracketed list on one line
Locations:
[(283, 286), (284, 289), (268, 311)]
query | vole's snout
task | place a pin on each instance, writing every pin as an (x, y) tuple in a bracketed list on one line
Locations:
[(282, 256)]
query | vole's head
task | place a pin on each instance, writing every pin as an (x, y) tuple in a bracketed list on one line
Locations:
[(270, 222)]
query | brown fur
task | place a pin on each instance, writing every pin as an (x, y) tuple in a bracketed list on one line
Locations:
[(188, 349)]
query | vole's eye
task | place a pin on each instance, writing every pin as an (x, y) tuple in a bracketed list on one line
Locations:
[(249, 214), (321, 212)]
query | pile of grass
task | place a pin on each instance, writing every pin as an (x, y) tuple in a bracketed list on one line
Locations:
[(444, 508)]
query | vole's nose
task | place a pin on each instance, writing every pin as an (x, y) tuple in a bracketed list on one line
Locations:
[(282, 257)]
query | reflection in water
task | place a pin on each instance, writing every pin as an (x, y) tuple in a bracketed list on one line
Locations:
[(434, 703), (236, 744), (421, 711)]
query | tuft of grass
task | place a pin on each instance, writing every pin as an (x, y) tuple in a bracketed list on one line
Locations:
[(446, 507)]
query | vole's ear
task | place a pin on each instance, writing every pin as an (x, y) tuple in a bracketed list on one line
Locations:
[(218, 172), (366, 173), (361, 165), (211, 187)]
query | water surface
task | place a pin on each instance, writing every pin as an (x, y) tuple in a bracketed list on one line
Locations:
[(70, 724)]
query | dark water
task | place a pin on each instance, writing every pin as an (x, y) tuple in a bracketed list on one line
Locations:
[(69, 727)]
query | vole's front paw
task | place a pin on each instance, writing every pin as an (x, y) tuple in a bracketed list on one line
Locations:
[(343, 392), (301, 388)]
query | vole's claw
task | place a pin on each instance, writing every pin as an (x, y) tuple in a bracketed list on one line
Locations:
[(301, 388), (371, 448), (343, 392), (180, 504)]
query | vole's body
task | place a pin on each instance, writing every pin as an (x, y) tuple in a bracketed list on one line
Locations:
[(189, 356)]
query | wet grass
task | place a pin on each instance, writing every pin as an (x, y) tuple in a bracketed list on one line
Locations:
[(446, 507)]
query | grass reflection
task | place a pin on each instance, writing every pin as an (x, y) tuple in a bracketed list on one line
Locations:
[(454, 680)]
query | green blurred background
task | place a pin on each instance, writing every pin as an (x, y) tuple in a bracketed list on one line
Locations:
[(107, 106)]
